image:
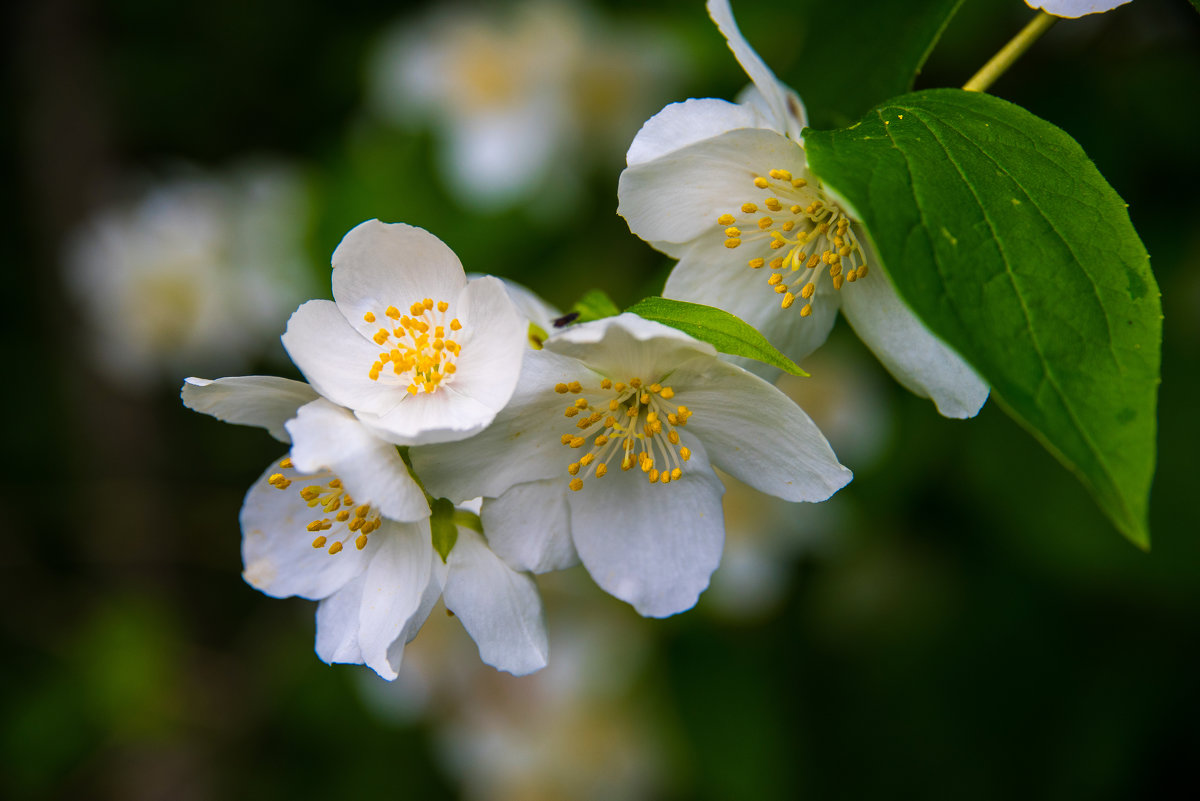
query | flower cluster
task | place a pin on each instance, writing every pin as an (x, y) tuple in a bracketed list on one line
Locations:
[(725, 189), (452, 438)]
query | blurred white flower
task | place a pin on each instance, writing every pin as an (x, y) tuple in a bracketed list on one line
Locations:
[(341, 521), (725, 188), (1075, 8), (647, 409), (418, 352), (524, 100), (194, 276), (577, 729)]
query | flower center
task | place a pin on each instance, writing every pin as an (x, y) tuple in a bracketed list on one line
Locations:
[(345, 519), (420, 354), (631, 419), (800, 238)]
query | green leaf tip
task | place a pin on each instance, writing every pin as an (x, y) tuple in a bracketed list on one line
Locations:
[(1000, 233), (442, 527), (724, 331), (594, 305)]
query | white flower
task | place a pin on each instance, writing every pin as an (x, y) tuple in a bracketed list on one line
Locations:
[(341, 521), (523, 99), (1075, 8), (192, 275), (604, 451), (725, 188), (419, 353)]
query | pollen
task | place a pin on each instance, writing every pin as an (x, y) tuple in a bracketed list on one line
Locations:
[(345, 520), (632, 423), (804, 235), (420, 363)]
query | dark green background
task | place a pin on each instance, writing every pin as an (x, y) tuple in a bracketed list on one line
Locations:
[(981, 631)]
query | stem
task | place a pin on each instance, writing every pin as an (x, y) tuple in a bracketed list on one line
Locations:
[(1004, 59)]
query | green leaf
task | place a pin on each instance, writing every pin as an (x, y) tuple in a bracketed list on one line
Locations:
[(442, 527), (724, 331), (843, 67), (594, 305), (1005, 239)]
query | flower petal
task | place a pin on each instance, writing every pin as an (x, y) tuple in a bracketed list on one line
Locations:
[(678, 197), (329, 437), (654, 546), (1073, 9), (335, 359), (911, 352), (277, 548), (529, 304), (774, 93), (429, 599), (752, 430), (377, 265), (249, 400), (337, 625), (393, 587), (628, 346), (496, 335), (681, 124), (711, 274), (529, 526), (498, 607), (522, 443), (442, 416), (797, 115)]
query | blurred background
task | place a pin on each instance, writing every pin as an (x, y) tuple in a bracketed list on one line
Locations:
[(958, 622)]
